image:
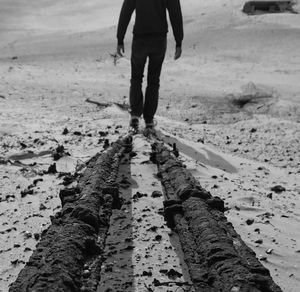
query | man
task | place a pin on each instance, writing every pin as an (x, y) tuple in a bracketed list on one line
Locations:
[(149, 41)]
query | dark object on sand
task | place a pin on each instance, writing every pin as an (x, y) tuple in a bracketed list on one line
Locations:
[(156, 194), (217, 257), (73, 243), (106, 144), (258, 7), (51, 169), (65, 131), (278, 189), (60, 152)]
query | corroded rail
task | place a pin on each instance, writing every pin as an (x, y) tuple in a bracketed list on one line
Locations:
[(217, 257), (70, 252)]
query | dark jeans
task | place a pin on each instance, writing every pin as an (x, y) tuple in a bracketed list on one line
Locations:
[(154, 49)]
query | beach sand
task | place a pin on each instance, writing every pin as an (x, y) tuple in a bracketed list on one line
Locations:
[(231, 104)]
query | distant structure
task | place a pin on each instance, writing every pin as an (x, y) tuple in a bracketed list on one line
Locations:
[(258, 7)]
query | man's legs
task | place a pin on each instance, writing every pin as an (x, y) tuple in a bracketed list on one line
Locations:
[(138, 60), (156, 58)]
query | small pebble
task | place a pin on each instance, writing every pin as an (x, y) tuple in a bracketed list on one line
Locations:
[(249, 221)]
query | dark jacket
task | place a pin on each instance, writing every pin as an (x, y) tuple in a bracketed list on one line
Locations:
[(151, 19)]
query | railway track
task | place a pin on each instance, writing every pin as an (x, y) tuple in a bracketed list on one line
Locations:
[(110, 234)]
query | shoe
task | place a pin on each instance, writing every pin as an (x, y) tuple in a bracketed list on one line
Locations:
[(150, 125), (150, 129), (134, 123)]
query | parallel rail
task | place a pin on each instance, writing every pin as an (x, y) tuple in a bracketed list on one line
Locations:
[(71, 251), (217, 257)]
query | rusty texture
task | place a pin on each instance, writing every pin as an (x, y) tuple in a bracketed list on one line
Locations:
[(70, 252), (217, 257)]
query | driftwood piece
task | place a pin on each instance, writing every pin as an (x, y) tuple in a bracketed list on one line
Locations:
[(123, 106), (217, 257), (70, 252)]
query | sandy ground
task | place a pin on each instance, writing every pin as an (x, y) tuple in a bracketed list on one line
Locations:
[(231, 103)]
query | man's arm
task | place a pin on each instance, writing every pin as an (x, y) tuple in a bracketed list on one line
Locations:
[(175, 15), (125, 15)]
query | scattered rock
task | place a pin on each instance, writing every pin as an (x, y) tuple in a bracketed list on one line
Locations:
[(23, 145), (152, 228), (278, 189), (259, 241), (156, 194), (147, 273), (132, 154), (26, 192), (36, 236), (65, 131), (8, 230), (37, 180), (59, 152), (14, 262), (42, 207), (266, 215), (158, 237), (257, 230), (269, 251), (103, 133), (27, 234), (249, 221), (8, 197), (173, 274), (263, 258), (51, 169), (106, 144), (138, 195)]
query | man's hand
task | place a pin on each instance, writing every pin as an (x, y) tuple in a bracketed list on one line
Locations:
[(120, 50), (178, 52)]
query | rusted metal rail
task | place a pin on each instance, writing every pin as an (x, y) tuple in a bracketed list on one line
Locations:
[(217, 257), (70, 252)]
